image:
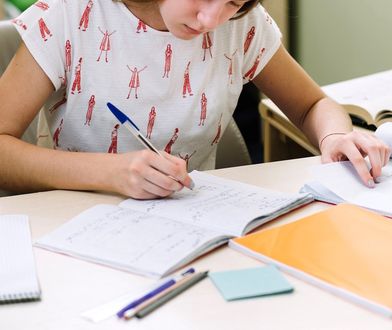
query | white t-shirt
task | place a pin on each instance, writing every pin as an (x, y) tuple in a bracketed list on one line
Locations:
[(180, 93)]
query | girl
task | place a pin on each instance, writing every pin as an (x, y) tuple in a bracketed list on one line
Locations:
[(196, 66)]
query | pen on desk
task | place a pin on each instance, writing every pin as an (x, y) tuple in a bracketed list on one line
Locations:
[(131, 126), (185, 284), (132, 312), (154, 292)]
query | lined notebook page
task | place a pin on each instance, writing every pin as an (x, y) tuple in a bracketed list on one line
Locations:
[(18, 279)]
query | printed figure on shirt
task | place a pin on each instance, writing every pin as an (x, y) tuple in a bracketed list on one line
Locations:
[(114, 136), (230, 70), (134, 83), (203, 111), (249, 38), (63, 80), (172, 140), (55, 106), (57, 132), (89, 113), (206, 45), (186, 88), (68, 48), (218, 132), (84, 20), (251, 72), (151, 122), (187, 157), (42, 5), (168, 58), (78, 78), (43, 29), (105, 44), (267, 17), (20, 23), (141, 25)]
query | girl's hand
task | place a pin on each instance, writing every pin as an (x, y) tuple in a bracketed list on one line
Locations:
[(354, 146), (147, 175)]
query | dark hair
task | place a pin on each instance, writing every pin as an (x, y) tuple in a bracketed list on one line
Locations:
[(248, 6)]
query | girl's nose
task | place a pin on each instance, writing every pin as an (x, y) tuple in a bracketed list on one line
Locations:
[(209, 15)]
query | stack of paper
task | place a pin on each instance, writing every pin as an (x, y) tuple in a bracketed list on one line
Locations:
[(339, 182)]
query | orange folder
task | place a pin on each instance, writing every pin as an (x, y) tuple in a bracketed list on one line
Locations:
[(344, 249)]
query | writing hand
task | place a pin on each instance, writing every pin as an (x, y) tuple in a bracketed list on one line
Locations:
[(147, 175)]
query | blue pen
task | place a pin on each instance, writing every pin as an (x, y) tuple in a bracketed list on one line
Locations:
[(131, 126), (154, 292)]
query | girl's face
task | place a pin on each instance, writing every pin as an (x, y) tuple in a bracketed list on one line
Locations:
[(187, 19)]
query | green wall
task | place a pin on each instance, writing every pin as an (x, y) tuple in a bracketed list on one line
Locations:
[(341, 39)]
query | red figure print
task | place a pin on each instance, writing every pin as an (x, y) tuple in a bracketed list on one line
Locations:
[(230, 70), (89, 113), (20, 23), (186, 158), (203, 112), (251, 72), (134, 83), (187, 83), (43, 29), (172, 140), (78, 77), (56, 134), (63, 80), (105, 44), (206, 45), (55, 106), (168, 57), (267, 17), (68, 56), (249, 38), (218, 132), (151, 122), (84, 20), (141, 25), (42, 5), (113, 144)]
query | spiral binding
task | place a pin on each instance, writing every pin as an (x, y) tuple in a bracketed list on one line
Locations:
[(18, 297)]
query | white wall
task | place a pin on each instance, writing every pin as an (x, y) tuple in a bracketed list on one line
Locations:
[(342, 39)]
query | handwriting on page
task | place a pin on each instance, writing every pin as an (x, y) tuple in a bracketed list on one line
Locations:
[(216, 204), (107, 231)]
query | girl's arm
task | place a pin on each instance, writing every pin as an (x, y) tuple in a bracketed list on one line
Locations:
[(325, 123), (24, 88)]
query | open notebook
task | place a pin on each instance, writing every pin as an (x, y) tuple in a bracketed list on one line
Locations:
[(18, 279), (156, 237), (345, 249)]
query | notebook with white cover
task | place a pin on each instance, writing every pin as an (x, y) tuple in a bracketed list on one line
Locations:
[(18, 278)]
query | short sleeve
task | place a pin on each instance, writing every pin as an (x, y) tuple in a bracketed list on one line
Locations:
[(41, 27), (262, 38)]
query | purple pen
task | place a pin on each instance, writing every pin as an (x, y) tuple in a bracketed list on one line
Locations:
[(154, 292)]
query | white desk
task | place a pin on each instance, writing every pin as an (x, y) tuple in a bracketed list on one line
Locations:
[(71, 286)]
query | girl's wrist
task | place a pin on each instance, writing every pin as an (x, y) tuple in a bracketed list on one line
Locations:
[(328, 135)]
